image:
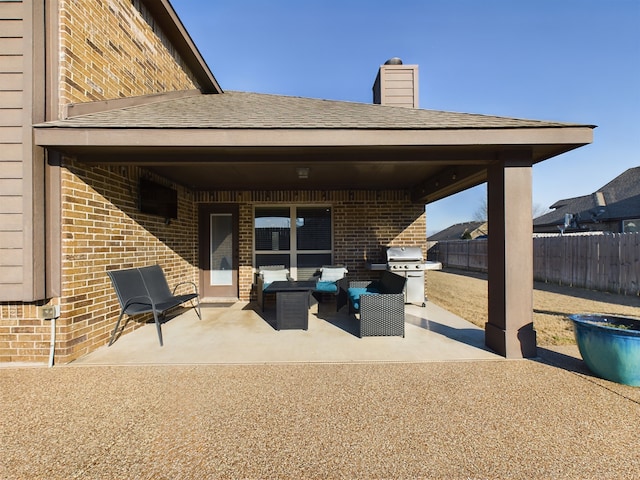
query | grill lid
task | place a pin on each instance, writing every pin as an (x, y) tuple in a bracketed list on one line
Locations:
[(404, 254)]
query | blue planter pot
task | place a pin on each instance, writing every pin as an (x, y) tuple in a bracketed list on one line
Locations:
[(609, 352)]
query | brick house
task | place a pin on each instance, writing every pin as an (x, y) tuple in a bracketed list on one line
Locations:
[(100, 100)]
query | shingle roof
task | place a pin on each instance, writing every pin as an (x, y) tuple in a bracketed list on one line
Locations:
[(621, 201), (262, 111), (456, 231)]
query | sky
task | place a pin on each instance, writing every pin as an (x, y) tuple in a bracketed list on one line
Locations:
[(575, 61)]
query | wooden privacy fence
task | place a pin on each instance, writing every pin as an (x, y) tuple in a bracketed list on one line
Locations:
[(609, 262)]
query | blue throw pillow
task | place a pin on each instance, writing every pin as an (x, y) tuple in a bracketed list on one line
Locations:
[(354, 296), (328, 287)]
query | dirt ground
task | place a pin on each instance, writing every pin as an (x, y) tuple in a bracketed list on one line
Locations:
[(465, 294)]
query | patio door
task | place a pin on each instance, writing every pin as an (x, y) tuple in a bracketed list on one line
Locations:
[(218, 238)]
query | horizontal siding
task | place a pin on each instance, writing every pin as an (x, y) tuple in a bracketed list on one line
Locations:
[(399, 86), (11, 99), (396, 74), (11, 204), (405, 92), (11, 46), (10, 135), (11, 10), (404, 84), (10, 117), (11, 28), (393, 76), (10, 222), (10, 186), (11, 274), (11, 81), (12, 182), (11, 63), (406, 87), (11, 240), (8, 258), (11, 169), (10, 291), (401, 81)]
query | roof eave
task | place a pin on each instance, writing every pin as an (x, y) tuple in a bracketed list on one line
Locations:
[(565, 138)]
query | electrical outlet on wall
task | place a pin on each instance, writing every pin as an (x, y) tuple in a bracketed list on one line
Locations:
[(49, 312)]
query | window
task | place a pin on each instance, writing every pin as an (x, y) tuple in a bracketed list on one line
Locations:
[(300, 238), (631, 226)]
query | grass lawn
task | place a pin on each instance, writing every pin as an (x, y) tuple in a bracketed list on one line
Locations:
[(465, 294)]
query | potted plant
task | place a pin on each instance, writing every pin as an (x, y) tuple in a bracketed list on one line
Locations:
[(610, 346)]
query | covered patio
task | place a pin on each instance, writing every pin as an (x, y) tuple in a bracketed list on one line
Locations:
[(373, 166), (239, 333)]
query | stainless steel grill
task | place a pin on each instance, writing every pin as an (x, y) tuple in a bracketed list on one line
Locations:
[(408, 262)]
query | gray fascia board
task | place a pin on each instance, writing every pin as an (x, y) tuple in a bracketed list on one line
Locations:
[(50, 135)]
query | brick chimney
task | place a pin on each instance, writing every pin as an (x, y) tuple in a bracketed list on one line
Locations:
[(396, 84)]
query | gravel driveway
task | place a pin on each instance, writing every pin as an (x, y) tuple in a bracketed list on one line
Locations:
[(520, 419)]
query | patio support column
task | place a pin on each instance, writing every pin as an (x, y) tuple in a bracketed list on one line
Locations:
[(509, 330)]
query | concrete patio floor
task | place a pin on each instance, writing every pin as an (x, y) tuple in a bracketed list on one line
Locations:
[(238, 334)]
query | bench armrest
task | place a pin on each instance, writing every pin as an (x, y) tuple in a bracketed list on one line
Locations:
[(195, 288)]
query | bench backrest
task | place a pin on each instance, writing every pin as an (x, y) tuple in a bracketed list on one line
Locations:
[(156, 283), (391, 283), (127, 284)]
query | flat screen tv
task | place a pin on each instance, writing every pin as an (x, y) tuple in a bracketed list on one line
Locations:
[(156, 199)]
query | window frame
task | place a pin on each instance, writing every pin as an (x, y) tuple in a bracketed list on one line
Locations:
[(627, 221), (293, 251)]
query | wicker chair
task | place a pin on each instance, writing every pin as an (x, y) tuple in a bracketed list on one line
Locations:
[(329, 277), (267, 274), (378, 304)]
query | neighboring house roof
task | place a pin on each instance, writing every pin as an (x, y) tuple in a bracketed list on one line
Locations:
[(457, 231), (617, 200)]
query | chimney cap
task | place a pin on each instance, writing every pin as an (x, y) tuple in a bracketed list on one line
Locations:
[(394, 61)]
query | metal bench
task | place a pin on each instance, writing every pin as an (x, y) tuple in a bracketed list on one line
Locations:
[(145, 290)]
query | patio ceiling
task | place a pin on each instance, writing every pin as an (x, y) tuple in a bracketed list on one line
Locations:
[(239, 141)]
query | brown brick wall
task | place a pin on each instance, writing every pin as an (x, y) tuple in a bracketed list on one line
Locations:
[(109, 50), (23, 336), (245, 271), (103, 230), (365, 222)]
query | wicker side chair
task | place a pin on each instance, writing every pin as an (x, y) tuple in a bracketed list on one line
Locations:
[(329, 277), (267, 274), (378, 305)]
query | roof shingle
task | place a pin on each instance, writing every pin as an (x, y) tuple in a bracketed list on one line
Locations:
[(231, 110), (621, 201)]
